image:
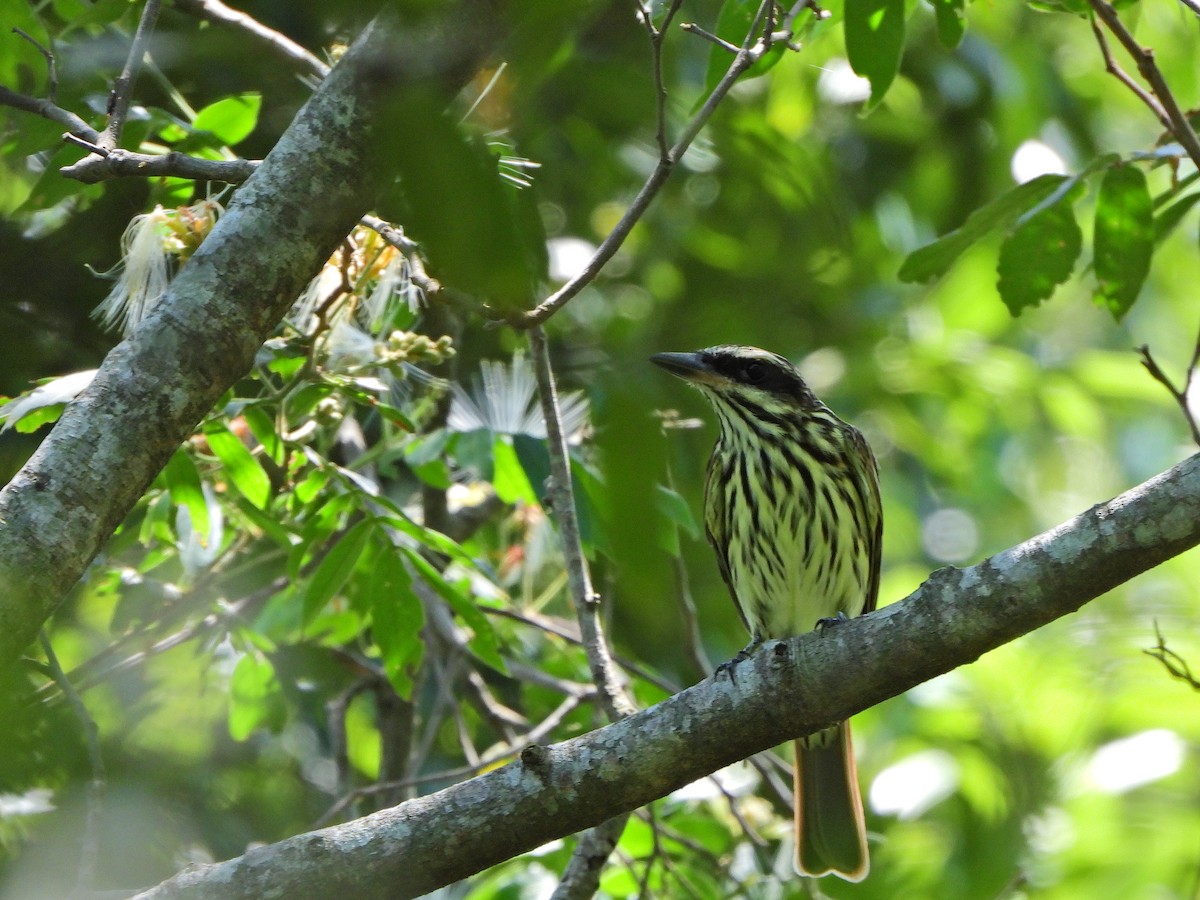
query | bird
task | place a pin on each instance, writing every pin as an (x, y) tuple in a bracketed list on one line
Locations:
[(792, 509)]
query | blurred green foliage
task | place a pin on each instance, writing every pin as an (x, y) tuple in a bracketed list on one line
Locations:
[(274, 625)]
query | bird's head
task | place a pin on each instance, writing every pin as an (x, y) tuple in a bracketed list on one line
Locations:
[(741, 375)]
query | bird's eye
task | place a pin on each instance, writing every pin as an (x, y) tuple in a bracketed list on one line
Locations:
[(755, 372)]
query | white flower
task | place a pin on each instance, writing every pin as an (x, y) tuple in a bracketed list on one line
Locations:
[(506, 404), (152, 248), (145, 273), (348, 347), (394, 281), (50, 393), (314, 295)]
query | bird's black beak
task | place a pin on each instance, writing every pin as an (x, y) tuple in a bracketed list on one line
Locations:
[(688, 366)]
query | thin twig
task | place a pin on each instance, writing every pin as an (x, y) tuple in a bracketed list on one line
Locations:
[(1172, 661), (657, 35), (122, 92), (534, 736), (89, 850), (51, 66), (1180, 396), (279, 44), (108, 164), (683, 594), (1177, 122), (563, 631), (581, 878), (693, 28), (1113, 68), (395, 719), (49, 110), (335, 722), (502, 718), (1193, 5), (410, 248), (541, 678), (752, 49), (613, 697), (735, 810)]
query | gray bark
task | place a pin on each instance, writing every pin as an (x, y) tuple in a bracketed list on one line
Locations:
[(154, 387), (788, 689)]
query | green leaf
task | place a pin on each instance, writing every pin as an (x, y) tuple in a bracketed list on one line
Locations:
[(535, 460), (950, 21), (434, 540), (874, 42), (677, 510), (397, 619), (934, 260), (270, 526), (483, 643), (307, 489), (302, 403), (1039, 254), (262, 426), (183, 482), (425, 455), (510, 480), (239, 464), (230, 120), (1167, 220), (335, 568), (254, 697), (1124, 238), (357, 391)]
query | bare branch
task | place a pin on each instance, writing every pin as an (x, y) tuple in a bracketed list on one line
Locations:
[(1176, 122), (118, 163), (750, 52), (268, 38), (581, 878), (122, 92), (693, 28), (1180, 396), (51, 66), (1172, 661), (952, 619), (561, 629), (617, 704), (1114, 69), (657, 34), (406, 245), (48, 110)]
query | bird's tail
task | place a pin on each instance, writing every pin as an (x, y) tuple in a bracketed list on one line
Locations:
[(831, 836)]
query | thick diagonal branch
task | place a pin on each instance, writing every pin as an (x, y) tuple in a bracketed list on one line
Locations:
[(952, 619), (154, 386)]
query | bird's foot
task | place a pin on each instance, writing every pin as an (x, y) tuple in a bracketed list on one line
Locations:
[(830, 621), (729, 666)]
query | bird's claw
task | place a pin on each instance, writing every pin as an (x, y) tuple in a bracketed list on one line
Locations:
[(830, 621), (729, 666)]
